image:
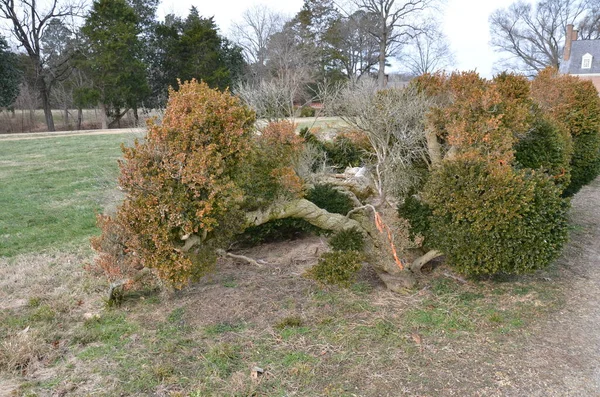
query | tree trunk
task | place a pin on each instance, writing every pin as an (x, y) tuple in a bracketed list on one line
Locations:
[(118, 117), (103, 115), (66, 110), (418, 263), (306, 210), (433, 146), (79, 118), (31, 117), (136, 116), (45, 97), (381, 79)]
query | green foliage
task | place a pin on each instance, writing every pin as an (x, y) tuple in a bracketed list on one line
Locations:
[(307, 111), (344, 151), (327, 197), (585, 162), (575, 104), (337, 267), (268, 173), (491, 219), (348, 240), (417, 213), (113, 58), (277, 230), (10, 77), (546, 147), (192, 48)]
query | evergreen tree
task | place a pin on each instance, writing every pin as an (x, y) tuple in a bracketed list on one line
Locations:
[(113, 57), (9, 75), (192, 49)]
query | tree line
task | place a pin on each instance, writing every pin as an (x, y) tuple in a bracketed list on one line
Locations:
[(118, 56)]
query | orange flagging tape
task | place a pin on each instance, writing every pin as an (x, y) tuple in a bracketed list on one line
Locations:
[(381, 227)]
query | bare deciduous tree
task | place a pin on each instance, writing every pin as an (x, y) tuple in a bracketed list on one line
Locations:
[(253, 32), (271, 99), (533, 35), (29, 21), (397, 21), (429, 52), (589, 27)]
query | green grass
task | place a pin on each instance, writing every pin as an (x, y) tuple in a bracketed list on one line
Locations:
[(52, 188)]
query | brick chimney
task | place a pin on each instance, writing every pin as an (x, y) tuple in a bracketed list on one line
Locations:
[(568, 40)]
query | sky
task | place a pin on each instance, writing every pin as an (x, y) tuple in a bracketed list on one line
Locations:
[(465, 23)]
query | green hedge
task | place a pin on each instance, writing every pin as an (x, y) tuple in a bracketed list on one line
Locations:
[(546, 147), (492, 219)]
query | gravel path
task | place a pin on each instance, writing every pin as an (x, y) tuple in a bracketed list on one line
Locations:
[(565, 351)]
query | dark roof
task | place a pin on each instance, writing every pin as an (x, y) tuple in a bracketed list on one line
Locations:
[(578, 49)]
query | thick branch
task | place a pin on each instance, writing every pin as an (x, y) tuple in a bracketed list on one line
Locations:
[(303, 209), (433, 146), (418, 263)]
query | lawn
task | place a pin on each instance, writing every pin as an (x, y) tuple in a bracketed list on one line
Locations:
[(52, 189), (58, 337)]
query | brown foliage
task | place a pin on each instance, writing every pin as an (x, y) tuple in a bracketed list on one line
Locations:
[(179, 182), (469, 118), (574, 104)]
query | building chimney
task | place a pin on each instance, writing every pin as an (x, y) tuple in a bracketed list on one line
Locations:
[(568, 40), (574, 36)]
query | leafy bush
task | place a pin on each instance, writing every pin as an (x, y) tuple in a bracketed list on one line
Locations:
[(337, 267), (469, 119), (268, 173), (483, 206), (516, 106), (417, 213), (546, 147), (180, 181), (307, 111), (340, 266), (347, 240), (491, 219), (575, 104), (347, 149), (277, 230), (585, 162), (327, 197)]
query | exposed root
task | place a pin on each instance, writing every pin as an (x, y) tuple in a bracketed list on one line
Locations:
[(240, 257), (418, 263), (115, 290), (399, 282), (453, 277)]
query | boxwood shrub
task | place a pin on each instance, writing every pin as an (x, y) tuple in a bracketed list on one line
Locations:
[(491, 219), (547, 147)]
